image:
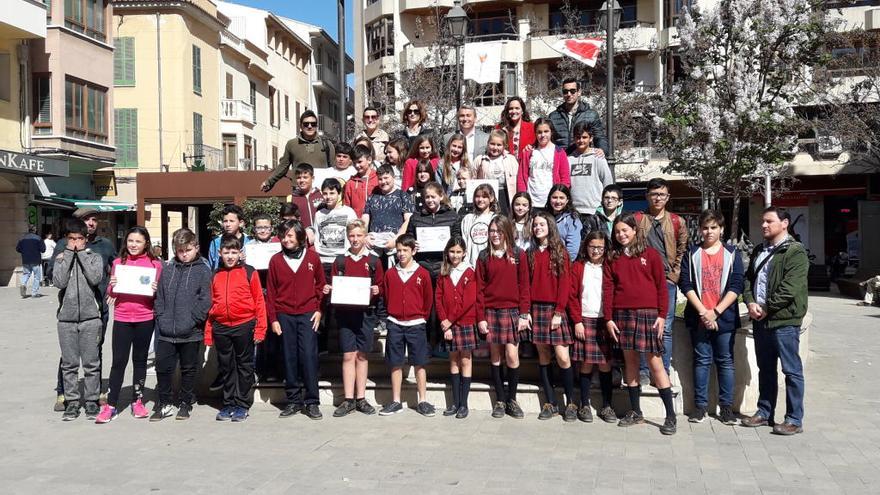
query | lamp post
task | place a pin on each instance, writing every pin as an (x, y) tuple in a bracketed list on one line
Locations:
[(609, 18), (457, 23)]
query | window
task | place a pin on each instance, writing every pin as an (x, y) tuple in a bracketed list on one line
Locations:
[(230, 151), (197, 128), (380, 91), (197, 69), (274, 156), (123, 61), (495, 25), (5, 76), (496, 94), (229, 86), (253, 100), (248, 153), (272, 106), (380, 38), (42, 113), (297, 114), (85, 16), (673, 10), (126, 135), (286, 108), (84, 110)]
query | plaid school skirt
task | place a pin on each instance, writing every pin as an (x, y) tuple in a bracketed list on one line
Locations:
[(503, 324), (464, 338), (542, 314), (636, 333), (596, 346)]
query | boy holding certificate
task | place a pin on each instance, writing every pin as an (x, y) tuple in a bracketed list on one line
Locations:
[(356, 322), (408, 292)]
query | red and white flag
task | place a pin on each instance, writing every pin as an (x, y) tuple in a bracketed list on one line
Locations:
[(585, 50)]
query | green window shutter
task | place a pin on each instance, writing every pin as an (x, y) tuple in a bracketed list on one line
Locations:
[(125, 124), (123, 61), (197, 69)]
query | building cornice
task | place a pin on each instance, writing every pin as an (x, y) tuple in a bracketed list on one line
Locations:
[(217, 21)]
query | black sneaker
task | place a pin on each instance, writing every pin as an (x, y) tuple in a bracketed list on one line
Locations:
[(607, 414), (71, 413), (183, 411), (514, 411), (312, 411), (344, 409), (570, 414), (391, 408), (630, 419), (364, 407), (92, 410), (698, 415), (161, 412), (426, 409), (451, 410), (498, 410), (585, 413), (462, 412), (669, 426), (290, 410), (548, 410), (727, 416)]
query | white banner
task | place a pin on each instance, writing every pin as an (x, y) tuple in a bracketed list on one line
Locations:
[(482, 62)]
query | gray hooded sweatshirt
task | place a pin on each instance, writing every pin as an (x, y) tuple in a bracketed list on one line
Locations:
[(78, 274)]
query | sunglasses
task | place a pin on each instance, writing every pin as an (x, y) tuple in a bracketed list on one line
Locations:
[(308, 125), (569, 91), (412, 111), (371, 117)]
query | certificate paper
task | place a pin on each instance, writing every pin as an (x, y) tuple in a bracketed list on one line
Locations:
[(432, 239), (135, 280), (350, 291), (472, 184), (258, 254)]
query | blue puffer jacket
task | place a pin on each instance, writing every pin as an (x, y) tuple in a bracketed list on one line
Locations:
[(569, 227)]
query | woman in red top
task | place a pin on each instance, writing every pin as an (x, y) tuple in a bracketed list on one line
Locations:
[(550, 286), (515, 121), (635, 301), (456, 310)]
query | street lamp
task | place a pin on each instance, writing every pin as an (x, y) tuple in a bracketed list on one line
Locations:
[(609, 18), (457, 23)]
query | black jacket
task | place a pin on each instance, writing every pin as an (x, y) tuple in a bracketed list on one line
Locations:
[(183, 300), (445, 217), (560, 123), (424, 131)]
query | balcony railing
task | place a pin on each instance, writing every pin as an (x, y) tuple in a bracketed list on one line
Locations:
[(236, 110), (589, 28), (201, 157), (324, 76)]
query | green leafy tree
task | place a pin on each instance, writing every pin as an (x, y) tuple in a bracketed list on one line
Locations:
[(252, 208)]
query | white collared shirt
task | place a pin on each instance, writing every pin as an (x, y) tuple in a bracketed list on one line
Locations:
[(458, 271), (591, 295), (294, 263), (405, 274)]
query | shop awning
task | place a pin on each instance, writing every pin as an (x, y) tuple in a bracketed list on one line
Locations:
[(73, 203)]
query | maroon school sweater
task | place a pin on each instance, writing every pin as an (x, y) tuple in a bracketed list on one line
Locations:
[(294, 293), (547, 287), (634, 282), (503, 283), (360, 268), (458, 303), (411, 300)]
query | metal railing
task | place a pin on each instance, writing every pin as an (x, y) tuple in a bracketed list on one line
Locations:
[(588, 28), (239, 110), (201, 158)]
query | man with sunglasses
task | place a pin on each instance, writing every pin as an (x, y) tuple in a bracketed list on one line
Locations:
[(308, 147), (371, 119), (573, 110)]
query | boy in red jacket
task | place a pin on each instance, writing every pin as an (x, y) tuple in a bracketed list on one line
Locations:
[(236, 321), (363, 183), (409, 296)]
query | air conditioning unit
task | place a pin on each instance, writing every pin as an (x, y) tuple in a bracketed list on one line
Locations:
[(829, 145), (872, 19)]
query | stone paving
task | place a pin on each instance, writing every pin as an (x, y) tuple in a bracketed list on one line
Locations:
[(839, 452)]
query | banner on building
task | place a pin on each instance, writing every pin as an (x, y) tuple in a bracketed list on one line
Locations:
[(482, 62), (584, 50)]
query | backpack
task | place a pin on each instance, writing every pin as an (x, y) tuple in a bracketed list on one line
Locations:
[(372, 262)]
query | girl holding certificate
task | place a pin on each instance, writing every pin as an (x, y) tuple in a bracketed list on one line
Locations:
[(132, 320)]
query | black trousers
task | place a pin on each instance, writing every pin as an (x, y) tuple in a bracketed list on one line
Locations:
[(133, 339), (168, 355), (235, 358), (300, 358)]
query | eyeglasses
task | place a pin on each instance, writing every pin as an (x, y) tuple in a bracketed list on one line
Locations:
[(262, 228), (412, 111), (658, 195), (308, 125), (569, 91), (371, 117), (610, 198), (596, 249)]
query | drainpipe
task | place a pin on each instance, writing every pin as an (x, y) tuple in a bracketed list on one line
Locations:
[(159, 84), (343, 89)]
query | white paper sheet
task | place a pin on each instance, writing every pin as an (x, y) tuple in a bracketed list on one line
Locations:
[(258, 254), (135, 280), (350, 291), (432, 239)]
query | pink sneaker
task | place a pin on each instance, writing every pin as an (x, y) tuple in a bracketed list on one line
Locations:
[(138, 410), (107, 414)]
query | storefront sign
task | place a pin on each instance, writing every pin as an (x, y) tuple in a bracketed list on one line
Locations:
[(33, 165), (105, 183)]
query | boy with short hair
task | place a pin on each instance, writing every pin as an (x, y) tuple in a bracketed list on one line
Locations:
[(329, 226), (232, 222), (342, 167), (356, 323), (78, 273), (181, 307), (409, 295), (290, 211), (387, 212), (268, 362), (306, 196), (236, 321), (364, 183), (603, 218)]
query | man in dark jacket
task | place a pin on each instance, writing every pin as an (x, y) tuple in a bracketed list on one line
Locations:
[(572, 111), (776, 295), (182, 303), (31, 248)]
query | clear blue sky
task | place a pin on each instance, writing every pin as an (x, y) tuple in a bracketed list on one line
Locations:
[(319, 12)]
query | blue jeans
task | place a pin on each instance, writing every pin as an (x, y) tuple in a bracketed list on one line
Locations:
[(713, 346), (34, 275), (779, 344), (667, 332)]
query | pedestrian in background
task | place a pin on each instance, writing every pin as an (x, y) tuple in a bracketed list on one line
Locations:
[(31, 248)]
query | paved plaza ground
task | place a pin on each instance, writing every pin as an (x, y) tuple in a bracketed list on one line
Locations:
[(839, 452)]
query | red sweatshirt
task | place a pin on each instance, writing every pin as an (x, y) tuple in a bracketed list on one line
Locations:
[(411, 300), (409, 171), (503, 284), (547, 287), (458, 303), (294, 293), (637, 282), (308, 204), (358, 189), (236, 300), (360, 268)]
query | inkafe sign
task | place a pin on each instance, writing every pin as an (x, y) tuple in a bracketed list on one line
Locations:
[(33, 165)]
